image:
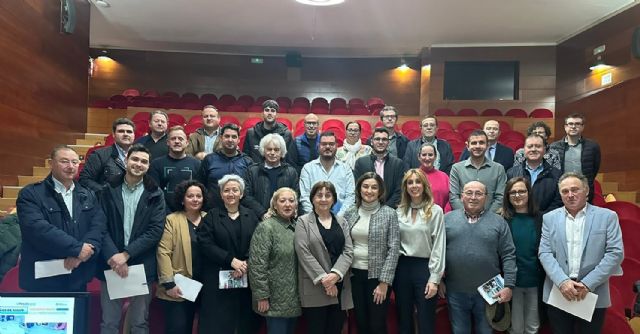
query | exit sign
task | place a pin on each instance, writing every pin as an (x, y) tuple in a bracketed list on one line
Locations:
[(257, 60)]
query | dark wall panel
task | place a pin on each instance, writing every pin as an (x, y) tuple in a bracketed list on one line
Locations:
[(43, 81)]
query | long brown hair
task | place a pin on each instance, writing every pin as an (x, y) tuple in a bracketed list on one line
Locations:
[(427, 195), (508, 211)]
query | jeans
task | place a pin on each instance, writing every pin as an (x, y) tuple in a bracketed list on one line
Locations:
[(524, 311), (465, 308), (278, 325)]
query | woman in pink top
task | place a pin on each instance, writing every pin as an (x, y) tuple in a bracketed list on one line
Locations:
[(438, 180)]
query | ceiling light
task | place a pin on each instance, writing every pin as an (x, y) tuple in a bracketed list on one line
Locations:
[(320, 2), (102, 3), (599, 65)]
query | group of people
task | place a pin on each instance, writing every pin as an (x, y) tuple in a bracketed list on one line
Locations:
[(300, 226)]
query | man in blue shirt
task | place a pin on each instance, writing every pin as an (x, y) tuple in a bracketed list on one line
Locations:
[(307, 142)]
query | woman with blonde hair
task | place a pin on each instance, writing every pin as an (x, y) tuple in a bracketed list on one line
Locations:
[(422, 254)]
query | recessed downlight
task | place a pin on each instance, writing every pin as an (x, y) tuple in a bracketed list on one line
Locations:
[(320, 2), (102, 3)]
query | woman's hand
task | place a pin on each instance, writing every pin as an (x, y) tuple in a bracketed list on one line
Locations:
[(263, 305), (430, 290), (238, 265), (331, 291), (380, 293), (330, 280), (175, 292)]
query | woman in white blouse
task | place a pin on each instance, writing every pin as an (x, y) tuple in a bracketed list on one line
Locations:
[(422, 254)]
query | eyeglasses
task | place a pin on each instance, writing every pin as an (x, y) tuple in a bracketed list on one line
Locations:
[(389, 117), (472, 194), (270, 109), (327, 144), (381, 139), (69, 162), (311, 124), (353, 130), (515, 193), (572, 124)]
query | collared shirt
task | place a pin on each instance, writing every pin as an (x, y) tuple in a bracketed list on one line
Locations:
[(472, 219), (491, 152), (271, 167), (378, 164), (340, 175), (534, 172), (393, 148), (574, 228), (130, 197), (573, 157), (67, 195), (209, 140), (490, 173), (122, 154)]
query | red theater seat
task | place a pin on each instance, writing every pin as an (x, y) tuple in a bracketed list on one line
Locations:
[(517, 113), (299, 110), (260, 100), (411, 129), (131, 92), (467, 112), (171, 94), (491, 112), (301, 101), (506, 136), (624, 209), (625, 283), (286, 122), (246, 101), (227, 100), (375, 101), (444, 112), (100, 104), (236, 108), (176, 119), (226, 119), (250, 122), (332, 123), (444, 125), (195, 119), (208, 98), (468, 125), (320, 101), (340, 111), (191, 128), (338, 102), (258, 108), (144, 116), (320, 110), (356, 102), (630, 235), (504, 126), (359, 110), (189, 96), (541, 113), (284, 101), (150, 93), (10, 281), (615, 323)]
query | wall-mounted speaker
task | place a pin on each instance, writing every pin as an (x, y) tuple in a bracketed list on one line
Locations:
[(67, 16), (635, 43)]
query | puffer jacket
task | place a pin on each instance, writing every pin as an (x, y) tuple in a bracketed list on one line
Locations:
[(590, 159), (103, 164)]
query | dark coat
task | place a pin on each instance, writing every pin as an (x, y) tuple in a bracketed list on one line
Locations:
[(590, 159), (103, 164), (444, 152), (545, 190), (394, 170), (257, 190), (49, 232), (401, 144), (503, 156), (216, 165), (255, 134), (146, 231)]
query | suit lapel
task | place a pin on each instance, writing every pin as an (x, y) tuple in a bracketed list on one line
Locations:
[(186, 246), (562, 232), (588, 223)]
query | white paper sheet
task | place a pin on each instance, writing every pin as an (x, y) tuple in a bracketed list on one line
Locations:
[(582, 309), (189, 287), (50, 268), (135, 284)]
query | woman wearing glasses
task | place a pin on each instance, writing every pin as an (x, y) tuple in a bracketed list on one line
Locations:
[(352, 147), (521, 213)]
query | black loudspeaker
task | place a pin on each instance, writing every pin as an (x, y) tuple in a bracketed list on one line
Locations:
[(67, 16), (635, 43), (293, 59)]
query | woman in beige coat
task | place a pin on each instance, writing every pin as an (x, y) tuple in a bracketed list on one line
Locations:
[(324, 249), (178, 254)]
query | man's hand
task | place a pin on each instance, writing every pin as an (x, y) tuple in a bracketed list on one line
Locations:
[(86, 252), (122, 271), (118, 259), (582, 291), (330, 280), (200, 155), (504, 295), (71, 263), (569, 290)]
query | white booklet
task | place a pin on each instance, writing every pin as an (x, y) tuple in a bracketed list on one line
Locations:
[(227, 281), (189, 287), (489, 289), (135, 284), (50, 268), (581, 309)]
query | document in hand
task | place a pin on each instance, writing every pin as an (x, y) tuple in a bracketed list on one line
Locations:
[(581, 309), (50, 268), (135, 284), (489, 288), (189, 287)]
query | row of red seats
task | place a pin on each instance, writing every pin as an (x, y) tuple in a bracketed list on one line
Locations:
[(491, 112)]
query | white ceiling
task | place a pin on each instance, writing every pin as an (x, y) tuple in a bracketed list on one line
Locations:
[(356, 28)]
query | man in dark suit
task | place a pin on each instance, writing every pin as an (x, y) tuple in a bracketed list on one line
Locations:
[(495, 151)]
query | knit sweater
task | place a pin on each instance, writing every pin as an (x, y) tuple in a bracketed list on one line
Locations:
[(476, 252)]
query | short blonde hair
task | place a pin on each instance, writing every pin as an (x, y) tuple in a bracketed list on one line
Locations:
[(274, 199)]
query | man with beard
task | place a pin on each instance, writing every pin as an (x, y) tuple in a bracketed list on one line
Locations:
[(156, 140), (226, 159), (109, 161), (381, 162), (174, 167), (478, 168), (444, 155), (495, 151), (397, 141), (270, 125), (135, 210), (202, 140), (327, 168)]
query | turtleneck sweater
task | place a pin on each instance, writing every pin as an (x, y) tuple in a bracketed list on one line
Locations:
[(360, 235)]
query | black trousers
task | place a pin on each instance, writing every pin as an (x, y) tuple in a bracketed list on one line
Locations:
[(324, 319), (227, 311), (412, 274), (371, 318), (178, 316), (564, 323)]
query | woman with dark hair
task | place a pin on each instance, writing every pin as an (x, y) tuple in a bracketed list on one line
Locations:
[(438, 180), (179, 253), (521, 213), (376, 245), (422, 254), (224, 243), (352, 147), (325, 252)]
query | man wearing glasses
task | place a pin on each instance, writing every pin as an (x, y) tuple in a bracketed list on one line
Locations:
[(268, 125), (397, 141), (478, 168), (542, 176), (307, 143), (576, 153), (444, 156), (381, 162), (60, 220)]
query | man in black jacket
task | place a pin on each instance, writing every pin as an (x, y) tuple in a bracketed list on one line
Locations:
[(108, 161), (390, 168), (135, 210), (397, 145), (576, 153), (268, 125), (428, 129), (542, 176)]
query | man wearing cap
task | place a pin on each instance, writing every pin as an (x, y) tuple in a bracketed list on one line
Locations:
[(479, 247), (270, 125)]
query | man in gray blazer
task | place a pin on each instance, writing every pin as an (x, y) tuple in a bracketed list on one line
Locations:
[(580, 248)]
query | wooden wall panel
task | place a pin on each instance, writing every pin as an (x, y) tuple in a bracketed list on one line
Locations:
[(537, 76), (43, 80), (220, 74)]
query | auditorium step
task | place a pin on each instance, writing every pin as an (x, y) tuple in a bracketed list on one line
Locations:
[(10, 191), (25, 180)]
